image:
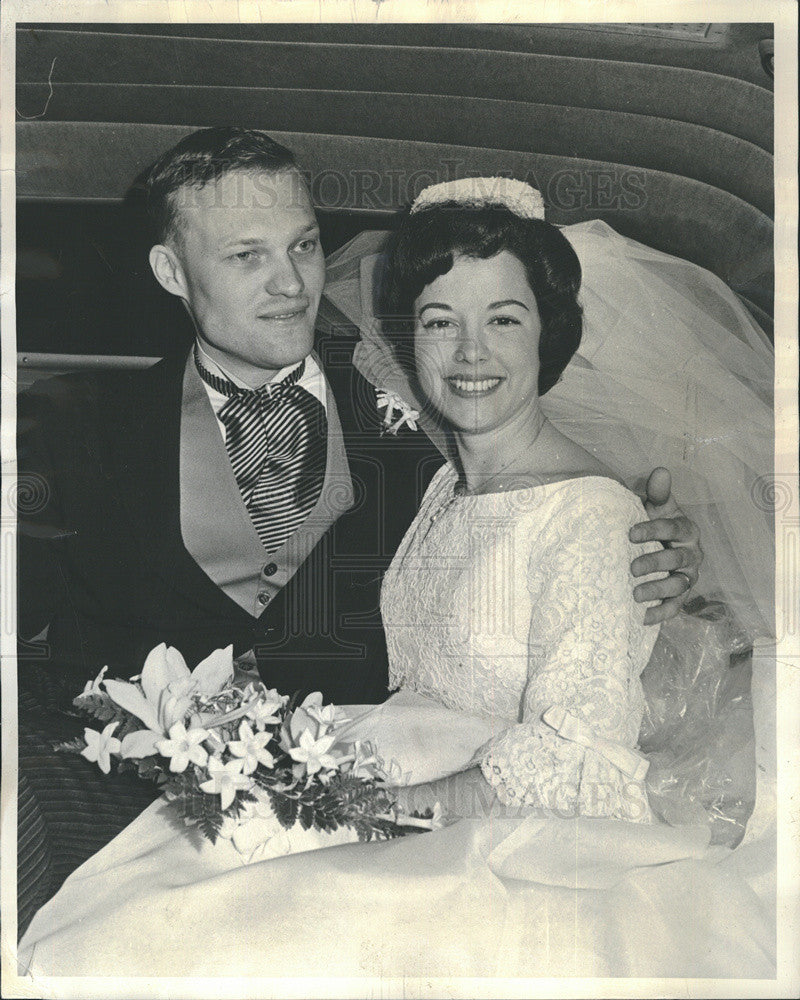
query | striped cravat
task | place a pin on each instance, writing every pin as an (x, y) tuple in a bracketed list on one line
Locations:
[(276, 437)]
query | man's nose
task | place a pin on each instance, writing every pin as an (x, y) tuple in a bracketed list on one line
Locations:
[(284, 278)]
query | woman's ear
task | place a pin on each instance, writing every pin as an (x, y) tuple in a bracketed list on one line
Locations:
[(167, 269)]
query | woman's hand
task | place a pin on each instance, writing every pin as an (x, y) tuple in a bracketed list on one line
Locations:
[(466, 795), (681, 557)]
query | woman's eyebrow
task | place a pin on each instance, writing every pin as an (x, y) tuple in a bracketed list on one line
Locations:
[(435, 305), (509, 302)]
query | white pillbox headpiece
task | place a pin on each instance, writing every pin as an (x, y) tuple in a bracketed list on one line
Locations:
[(479, 192)]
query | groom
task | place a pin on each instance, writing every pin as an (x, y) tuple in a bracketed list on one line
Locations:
[(172, 516)]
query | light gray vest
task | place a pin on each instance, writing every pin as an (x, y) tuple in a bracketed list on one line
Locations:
[(215, 525)]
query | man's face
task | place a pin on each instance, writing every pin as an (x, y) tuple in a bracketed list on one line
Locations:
[(251, 270)]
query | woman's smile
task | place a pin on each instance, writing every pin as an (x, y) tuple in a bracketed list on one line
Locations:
[(469, 388)]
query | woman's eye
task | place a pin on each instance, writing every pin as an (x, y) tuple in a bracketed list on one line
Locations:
[(505, 321), (438, 324)]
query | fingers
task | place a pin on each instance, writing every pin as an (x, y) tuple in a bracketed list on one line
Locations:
[(662, 590), (666, 529), (663, 612), (659, 486), (663, 561)]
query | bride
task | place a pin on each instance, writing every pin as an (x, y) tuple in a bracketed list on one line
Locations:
[(508, 597)]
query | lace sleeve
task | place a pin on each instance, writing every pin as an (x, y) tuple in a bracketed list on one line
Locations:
[(587, 647)]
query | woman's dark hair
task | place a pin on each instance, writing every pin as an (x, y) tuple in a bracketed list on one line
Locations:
[(425, 245), (201, 158)]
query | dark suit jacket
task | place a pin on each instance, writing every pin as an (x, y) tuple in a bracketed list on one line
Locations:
[(103, 563)]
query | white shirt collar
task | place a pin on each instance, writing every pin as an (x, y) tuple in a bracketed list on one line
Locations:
[(313, 381)]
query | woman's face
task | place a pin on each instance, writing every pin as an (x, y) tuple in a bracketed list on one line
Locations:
[(476, 342)]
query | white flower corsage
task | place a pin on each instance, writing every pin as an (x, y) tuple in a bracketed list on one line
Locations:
[(392, 403)]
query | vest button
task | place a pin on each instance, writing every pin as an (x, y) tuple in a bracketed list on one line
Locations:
[(270, 569), (263, 599)]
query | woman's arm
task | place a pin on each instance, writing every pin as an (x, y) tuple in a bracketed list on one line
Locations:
[(573, 751)]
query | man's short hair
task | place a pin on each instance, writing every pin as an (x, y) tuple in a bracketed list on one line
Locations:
[(202, 158)]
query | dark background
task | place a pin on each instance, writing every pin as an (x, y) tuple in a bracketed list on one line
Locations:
[(682, 113)]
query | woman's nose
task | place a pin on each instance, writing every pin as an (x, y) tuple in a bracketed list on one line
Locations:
[(284, 279), (472, 349)]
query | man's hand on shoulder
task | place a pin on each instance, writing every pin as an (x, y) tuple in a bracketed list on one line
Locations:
[(680, 558)]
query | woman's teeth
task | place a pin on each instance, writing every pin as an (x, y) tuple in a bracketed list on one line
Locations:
[(468, 385)]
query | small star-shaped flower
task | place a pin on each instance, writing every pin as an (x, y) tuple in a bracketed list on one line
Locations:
[(184, 746), (262, 712), (390, 401), (225, 780), (251, 748), (314, 753), (100, 746)]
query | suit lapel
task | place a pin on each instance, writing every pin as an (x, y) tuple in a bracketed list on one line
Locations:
[(390, 472), (147, 450)]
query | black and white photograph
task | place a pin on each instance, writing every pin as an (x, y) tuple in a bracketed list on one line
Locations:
[(401, 536)]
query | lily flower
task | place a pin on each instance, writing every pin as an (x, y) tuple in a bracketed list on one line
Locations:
[(310, 712), (93, 687), (438, 819), (100, 746), (394, 775), (225, 780), (365, 763), (314, 753), (326, 716), (165, 695), (184, 746), (251, 748)]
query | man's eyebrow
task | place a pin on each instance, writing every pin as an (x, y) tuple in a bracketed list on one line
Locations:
[(251, 241), (243, 241)]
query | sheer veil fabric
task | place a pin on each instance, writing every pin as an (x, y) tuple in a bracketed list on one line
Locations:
[(672, 370)]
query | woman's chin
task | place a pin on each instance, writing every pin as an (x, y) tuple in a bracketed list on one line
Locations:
[(475, 429), (472, 418)]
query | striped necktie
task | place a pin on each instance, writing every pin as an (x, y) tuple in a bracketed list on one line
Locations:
[(276, 437)]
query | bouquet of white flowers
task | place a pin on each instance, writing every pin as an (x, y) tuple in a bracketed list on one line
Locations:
[(229, 755)]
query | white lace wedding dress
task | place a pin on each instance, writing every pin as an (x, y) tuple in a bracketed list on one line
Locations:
[(508, 604)]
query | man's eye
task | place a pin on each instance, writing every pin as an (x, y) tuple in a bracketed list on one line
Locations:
[(245, 255), (307, 246)]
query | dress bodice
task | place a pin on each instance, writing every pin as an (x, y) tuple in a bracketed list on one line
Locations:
[(507, 604)]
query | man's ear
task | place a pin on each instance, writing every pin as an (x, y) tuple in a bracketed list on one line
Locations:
[(167, 269)]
